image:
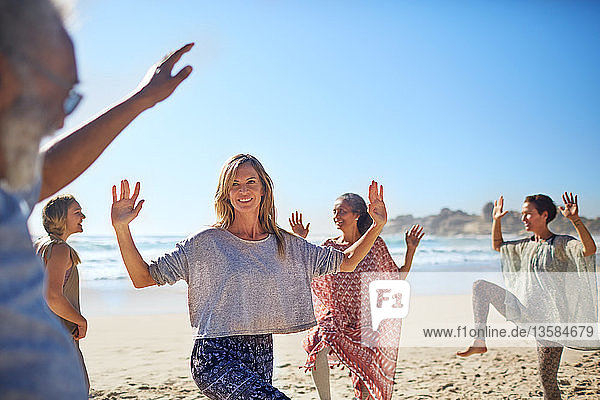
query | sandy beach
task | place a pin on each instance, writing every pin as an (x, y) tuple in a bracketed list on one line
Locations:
[(147, 357)]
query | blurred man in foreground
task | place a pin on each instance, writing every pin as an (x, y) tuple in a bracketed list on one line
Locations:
[(37, 79)]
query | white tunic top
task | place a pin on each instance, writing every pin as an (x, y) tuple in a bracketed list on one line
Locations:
[(554, 285)]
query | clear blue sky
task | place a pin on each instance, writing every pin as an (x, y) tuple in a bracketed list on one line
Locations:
[(448, 104)]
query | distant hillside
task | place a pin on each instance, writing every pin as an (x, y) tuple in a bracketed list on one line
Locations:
[(450, 223)]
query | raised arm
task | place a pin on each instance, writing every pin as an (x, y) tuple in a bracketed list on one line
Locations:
[(571, 211), (413, 238), (123, 211), (355, 253), (297, 226), (69, 156), (497, 215), (57, 264)]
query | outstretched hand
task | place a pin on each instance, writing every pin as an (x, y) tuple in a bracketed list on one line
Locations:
[(297, 226), (158, 84), (124, 210), (570, 210), (376, 207), (497, 212), (413, 236)]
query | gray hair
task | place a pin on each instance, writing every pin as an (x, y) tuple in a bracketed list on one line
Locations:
[(358, 206), (26, 26)]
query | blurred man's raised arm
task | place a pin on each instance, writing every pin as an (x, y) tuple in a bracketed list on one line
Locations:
[(69, 156)]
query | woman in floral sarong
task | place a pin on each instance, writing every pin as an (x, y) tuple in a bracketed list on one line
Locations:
[(340, 307)]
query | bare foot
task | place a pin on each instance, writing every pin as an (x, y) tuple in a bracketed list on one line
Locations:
[(478, 347)]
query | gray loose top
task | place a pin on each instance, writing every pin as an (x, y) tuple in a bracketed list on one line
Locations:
[(242, 287)]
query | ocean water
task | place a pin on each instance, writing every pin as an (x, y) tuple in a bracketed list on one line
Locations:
[(102, 267), (442, 266)]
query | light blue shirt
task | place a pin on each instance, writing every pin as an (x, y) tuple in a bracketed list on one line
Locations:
[(37, 356)]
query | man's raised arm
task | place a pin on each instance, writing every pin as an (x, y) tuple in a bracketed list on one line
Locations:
[(69, 156)]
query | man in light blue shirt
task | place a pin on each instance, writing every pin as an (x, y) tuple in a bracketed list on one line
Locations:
[(37, 78)]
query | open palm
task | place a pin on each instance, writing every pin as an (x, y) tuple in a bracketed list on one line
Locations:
[(124, 210), (413, 236), (377, 209), (570, 210), (297, 226), (159, 83), (497, 212)]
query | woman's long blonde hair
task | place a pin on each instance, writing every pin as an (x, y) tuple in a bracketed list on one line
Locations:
[(266, 214), (54, 219)]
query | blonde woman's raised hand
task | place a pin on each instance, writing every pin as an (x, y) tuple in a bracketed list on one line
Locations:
[(497, 212), (570, 210), (297, 226), (124, 208), (413, 236), (376, 207)]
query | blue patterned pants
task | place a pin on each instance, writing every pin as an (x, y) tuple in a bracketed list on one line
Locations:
[(235, 367)]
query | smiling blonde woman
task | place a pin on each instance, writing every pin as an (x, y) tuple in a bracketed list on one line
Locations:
[(247, 278)]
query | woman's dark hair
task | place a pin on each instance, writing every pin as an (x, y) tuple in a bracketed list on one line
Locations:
[(358, 206), (542, 203)]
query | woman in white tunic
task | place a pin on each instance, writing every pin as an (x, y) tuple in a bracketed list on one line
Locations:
[(551, 281)]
